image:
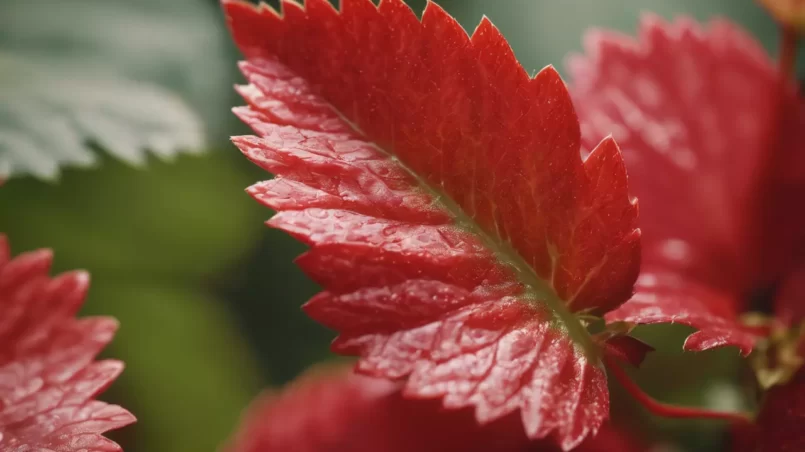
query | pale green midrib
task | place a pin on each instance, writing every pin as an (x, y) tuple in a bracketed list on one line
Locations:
[(537, 289)]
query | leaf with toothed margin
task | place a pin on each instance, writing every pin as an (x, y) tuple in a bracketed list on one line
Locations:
[(667, 297), (691, 106), (452, 223), (72, 75), (48, 372), (335, 410)]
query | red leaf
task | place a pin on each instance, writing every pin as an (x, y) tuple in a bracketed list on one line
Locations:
[(48, 376), (454, 228), (666, 297), (335, 411), (779, 424), (691, 107), (680, 100)]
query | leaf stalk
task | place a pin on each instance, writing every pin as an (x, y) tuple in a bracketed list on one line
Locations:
[(667, 410)]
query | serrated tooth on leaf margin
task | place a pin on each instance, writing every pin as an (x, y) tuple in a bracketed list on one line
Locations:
[(333, 226)]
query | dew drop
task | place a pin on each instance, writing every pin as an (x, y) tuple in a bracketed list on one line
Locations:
[(676, 249)]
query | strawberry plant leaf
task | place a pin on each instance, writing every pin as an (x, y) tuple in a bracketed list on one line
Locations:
[(667, 297), (680, 99), (329, 410), (48, 375), (452, 223), (49, 119), (72, 75)]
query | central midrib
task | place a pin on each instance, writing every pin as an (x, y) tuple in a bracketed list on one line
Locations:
[(536, 290)]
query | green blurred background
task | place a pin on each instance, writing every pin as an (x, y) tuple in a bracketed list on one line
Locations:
[(208, 298)]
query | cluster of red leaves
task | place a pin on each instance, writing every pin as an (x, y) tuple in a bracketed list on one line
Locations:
[(717, 163), (335, 410), (459, 235), (452, 222), (698, 155), (48, 372)]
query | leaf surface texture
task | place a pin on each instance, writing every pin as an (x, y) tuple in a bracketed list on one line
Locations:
[(692, 106), (452, 223), (48, 374)]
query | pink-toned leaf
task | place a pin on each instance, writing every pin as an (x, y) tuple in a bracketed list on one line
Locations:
[(688, 105), (452, 223), (48, 376), (692, 108), (667, 297), (334, 410)]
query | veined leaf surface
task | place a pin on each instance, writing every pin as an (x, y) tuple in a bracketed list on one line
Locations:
[(693, 106), (452, 222), (48, 373)]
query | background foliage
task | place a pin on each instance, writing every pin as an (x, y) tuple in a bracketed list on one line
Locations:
[(208, 298)]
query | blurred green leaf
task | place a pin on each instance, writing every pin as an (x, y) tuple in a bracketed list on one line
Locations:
[(174, 222), (48, 112), (188, 373), (129, 75)]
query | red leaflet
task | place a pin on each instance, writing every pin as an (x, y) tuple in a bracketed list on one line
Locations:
[(663, 297), (48, 375), (693, 109), (335, 411), (453, 225)]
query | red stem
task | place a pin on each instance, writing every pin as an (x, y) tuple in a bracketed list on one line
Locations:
[(664, 409)]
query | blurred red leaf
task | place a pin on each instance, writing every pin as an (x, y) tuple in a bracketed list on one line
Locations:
[(667, 297), (337, 411), (453, 225), (779, 424), (48, 375), (692, 107)]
